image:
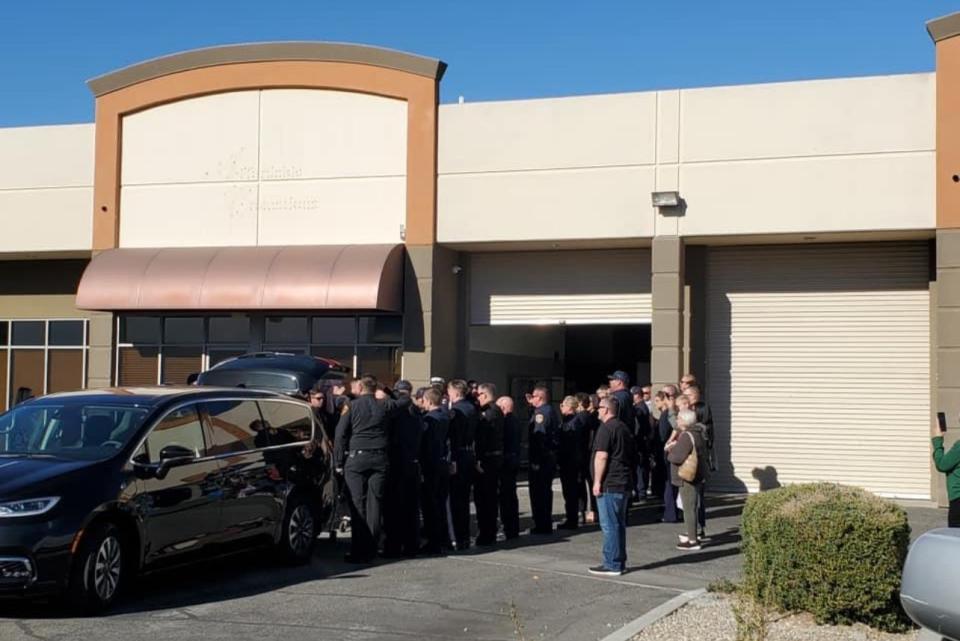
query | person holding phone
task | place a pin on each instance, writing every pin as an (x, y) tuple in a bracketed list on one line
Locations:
[(948, 463)]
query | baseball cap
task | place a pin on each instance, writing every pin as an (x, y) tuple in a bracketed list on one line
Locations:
[(403, 386), (620, 375), (636, 389)]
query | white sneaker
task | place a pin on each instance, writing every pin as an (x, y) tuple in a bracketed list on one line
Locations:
[(683, 538)]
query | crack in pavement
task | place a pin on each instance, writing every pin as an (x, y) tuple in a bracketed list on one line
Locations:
[(27, 630), (442, 606)]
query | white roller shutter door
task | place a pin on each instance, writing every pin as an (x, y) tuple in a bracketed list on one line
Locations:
[(819, 365), (554, 287)]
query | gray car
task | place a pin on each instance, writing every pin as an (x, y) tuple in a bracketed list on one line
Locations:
[(931, 582)]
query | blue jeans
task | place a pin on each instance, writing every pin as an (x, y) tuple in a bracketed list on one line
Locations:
[(613, 522)]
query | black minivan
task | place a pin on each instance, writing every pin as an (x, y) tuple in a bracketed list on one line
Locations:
[(98, 485)]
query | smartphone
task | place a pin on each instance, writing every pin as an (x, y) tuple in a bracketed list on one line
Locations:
[(942, 421)]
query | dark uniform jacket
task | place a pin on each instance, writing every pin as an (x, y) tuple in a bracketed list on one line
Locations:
[(511, 440), (490, 433), (463, 429), (405, 437), (544, 435), (436, 450), (643, 432), (626, 412), (363, 425), (570, 451)]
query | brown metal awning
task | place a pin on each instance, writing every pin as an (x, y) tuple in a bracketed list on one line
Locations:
[(366, 277)]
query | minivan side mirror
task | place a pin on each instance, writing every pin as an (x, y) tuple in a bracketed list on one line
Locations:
[(170, 456)]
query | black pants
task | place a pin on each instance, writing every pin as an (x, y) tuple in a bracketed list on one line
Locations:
[(460, 485), (541, 495), (572, 490), (509, 505), (401, 522), (433, 500), (485, 498), (644, 482), (588, 502), (365, 474), (953, 514), (659, 473)]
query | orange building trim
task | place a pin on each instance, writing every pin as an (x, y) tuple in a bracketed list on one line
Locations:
[(418, 89)]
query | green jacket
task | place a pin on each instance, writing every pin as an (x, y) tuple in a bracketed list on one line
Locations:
[(949, 464)]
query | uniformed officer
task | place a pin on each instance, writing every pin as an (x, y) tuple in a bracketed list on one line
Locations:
[(665, 431), (402, 515), (435, 459), (489, 463), (543, 429), (463, 429), (361, 441), (642, 439), (509, 506), (619, 383), (591, 406), (569, 459)]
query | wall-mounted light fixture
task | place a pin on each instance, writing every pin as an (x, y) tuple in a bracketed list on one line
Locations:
[(665, 198)]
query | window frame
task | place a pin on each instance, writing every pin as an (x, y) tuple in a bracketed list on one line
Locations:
[(46, 347), (143, 444)]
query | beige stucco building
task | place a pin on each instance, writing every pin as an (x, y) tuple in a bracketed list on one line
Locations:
[(316, 198)]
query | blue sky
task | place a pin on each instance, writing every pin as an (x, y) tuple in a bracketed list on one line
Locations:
[(496, 50)]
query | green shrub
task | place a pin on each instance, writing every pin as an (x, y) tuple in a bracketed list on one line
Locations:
[(834, 551)]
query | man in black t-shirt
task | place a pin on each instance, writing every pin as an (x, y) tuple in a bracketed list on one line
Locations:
[(613, 459)]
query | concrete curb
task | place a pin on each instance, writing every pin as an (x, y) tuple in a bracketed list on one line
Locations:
[(634, 628)]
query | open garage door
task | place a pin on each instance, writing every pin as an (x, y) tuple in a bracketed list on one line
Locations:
[(560, 287), (818, 365)]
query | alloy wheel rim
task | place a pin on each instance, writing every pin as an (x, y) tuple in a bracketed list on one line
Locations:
[(106, 569), (301, 529)]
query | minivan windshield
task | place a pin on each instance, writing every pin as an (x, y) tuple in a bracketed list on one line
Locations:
[(69, 429)]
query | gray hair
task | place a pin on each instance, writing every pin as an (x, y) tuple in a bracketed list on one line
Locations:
[(687, 417), (489, 388)]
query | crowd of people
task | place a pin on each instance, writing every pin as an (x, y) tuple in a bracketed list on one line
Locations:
[(409, 462)]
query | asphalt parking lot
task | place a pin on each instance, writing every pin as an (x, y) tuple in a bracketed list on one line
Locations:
[(534, 588)]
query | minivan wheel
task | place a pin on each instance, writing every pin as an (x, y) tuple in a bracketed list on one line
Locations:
[(98, 573), (299, 535)]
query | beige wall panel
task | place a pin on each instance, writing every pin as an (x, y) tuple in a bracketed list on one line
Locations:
[(46, 219), (590, 131), (307, 133), (211, 138), (888, 191), (60, 156), (587, 203), (842, 116), (36, 306), (332, 212), (199, 215)]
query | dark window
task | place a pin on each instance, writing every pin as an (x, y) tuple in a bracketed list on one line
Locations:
[(229, 329), (182, 331), (382, 362), (334, 331), (287, 422), (179, 363), (179, 427), (26, 374), (28, 333), (381, 329), (286, 329), (4, 329), (140, 329), (66, 333), (64, 370), (137, 366), (235, 426)]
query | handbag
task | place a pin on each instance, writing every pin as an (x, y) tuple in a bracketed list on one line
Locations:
[(688, 469)]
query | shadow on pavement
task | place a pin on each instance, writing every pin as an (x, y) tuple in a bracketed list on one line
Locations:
[(257, 571)]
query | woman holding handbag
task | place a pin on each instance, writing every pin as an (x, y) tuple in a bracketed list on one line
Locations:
[(688, 470)]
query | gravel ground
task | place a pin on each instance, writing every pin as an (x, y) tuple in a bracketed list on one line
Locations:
[(710, 618)]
